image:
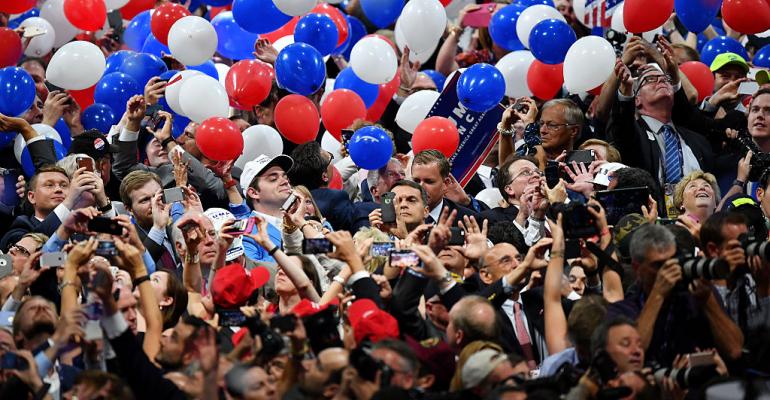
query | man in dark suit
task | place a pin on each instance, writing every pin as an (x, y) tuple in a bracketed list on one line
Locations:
[(652, 141)]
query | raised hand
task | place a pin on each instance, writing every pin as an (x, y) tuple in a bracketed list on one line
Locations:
[(408, 73), (475, 238), (54, 106), (264, 51), (154, 90)]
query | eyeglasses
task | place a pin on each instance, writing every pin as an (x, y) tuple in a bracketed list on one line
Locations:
[(395, 175), (17, 250), (527, 173), (654, 79), (550, 126)]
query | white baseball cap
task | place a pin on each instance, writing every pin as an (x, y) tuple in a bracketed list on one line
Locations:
[(218, 217), (603, 176), (255, 167)]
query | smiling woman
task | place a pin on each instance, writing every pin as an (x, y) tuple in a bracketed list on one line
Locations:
[(697, 195)]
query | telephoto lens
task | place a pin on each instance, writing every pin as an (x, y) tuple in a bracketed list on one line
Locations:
[(687, 377), (759, 248), (706, 268)]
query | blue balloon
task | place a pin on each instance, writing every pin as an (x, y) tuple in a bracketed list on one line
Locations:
[(382, 13), (259, 16), (114, 90), (64, 132), (98, 116), (178, 125), (216, 3), (26, 158), (17, 91), (762, 57), (356, 32), (143, 67), (719, 45), (436, 76), (234, 42), (347, 79), (502, 27), (527, 3), (696, 15), (115, 60), (195, 4), (370, 147), (153, 46), (481, 87), (317, 30), (137, 31), (7, 138), (14, 23), (300, 69), (550, 40), (207, 68)]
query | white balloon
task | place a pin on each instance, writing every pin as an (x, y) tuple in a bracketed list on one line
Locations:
[(257, 140), (579, 6), (115, 4), (283, 42), (514, 67), (589, 62), (332, 145), (53, 12), (42, 129), (43, 44), (192, 40), (202, 97), (617, 24), (374, 60), (531, 16), (295, 7), (76, 66), (415, 108), (491, 197), (222, 70), (174, 86), (414, 56), (423, 23)]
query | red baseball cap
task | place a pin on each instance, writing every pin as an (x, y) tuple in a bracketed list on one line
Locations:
[(369, 321), (306, 308), (233, 284)]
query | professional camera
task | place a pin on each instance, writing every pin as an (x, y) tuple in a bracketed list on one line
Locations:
[(272, 342), (754, 247), (617, 40), (687, 377), (367, 366), (706, 268)]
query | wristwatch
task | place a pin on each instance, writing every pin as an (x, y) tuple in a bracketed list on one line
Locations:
[(447, 278)]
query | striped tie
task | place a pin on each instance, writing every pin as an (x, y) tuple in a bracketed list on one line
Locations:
[(673, 165)]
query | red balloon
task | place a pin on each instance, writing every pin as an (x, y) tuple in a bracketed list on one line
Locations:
[(545, 80), (387, 90), (747, 16), (164, 17), (340, 109), (437, 133), (134, 7), (216, 10), (248, 83), (296, 117), (700, 76), (10, 47), (84, 97), (286, 30), (219, 139), (645, 15), (16, 6), (597, 90), (88, 15), (339, 20), (336, 182)]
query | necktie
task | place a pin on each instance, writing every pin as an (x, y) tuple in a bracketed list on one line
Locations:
[(522, 335), (430, 220), (493, 177), (167, 259), (673, 165)]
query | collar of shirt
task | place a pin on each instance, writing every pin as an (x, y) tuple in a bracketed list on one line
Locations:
[(655, 125), (435, 213), (274, 221), (484, 171)]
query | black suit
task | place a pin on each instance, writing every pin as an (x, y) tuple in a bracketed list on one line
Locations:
[(156, 250), (499, 214), (461, 212), (336, 207), (404, 305)]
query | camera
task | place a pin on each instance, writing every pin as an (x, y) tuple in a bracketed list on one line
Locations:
[(706, 268), (617, 40), (687, 377), (754, 247), (106, 249), (272, 341), (577, 221), (367, 366)]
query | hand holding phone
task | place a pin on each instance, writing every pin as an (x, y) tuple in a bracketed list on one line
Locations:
[(85, 162), (173, 195)]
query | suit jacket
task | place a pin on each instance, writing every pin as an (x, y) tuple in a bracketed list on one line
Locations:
[(631, 135), (156, 250), (404, 305), (336, 207), (461, 212), (26, 224), (499, 214)]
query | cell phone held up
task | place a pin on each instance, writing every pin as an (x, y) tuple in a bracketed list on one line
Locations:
[(289, 203), (317, 246), (242, 226), (105, 225), (388, 208), (85, 162), (173, 195), (404, 259), (283, 323)]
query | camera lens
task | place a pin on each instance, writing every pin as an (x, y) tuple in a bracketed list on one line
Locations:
[(706, 268), (759, 248)]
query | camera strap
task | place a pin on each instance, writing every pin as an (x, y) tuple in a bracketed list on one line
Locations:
[(604, 259)]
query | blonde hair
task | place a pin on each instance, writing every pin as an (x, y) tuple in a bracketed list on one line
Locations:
[(305, 192), (465, 354), (709, 178), (39, 238), (373, 263)]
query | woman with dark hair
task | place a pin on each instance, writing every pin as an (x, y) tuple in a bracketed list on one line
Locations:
[(171, 295)]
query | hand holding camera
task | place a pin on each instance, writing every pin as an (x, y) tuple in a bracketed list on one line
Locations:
[(668, 276)]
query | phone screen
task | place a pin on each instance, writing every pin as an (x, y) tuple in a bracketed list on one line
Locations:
[(381, 249), (620, 202), (231, 317), (317, 246), (404, 258)]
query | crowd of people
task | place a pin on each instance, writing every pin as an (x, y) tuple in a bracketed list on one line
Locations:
[(612, 245)]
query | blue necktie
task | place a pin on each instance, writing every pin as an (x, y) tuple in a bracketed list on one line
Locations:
[(674, 162)]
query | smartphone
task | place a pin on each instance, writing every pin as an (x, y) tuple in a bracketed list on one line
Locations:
[(53, 88), (231, 317), (105, 225), (289, 203), (458, 236), (242, 226), (317, 246), (283, 323), (703, 358), (173, 195), (479, 18), (6, 265), (188, 226), (388, 208), (748, 88), (404, 258), (571, 249), (552, 173), (12, 361), (154, 121), (106, 249), (620, 202), (381, 249), (667, 221), (520, 106), (53, 260), (8, 196), (580, 157), (578, 222), (85, 162), (93, 310), (346, 135)]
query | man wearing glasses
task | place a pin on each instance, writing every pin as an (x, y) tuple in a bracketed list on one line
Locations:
[(561, 122), (23, 249)]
